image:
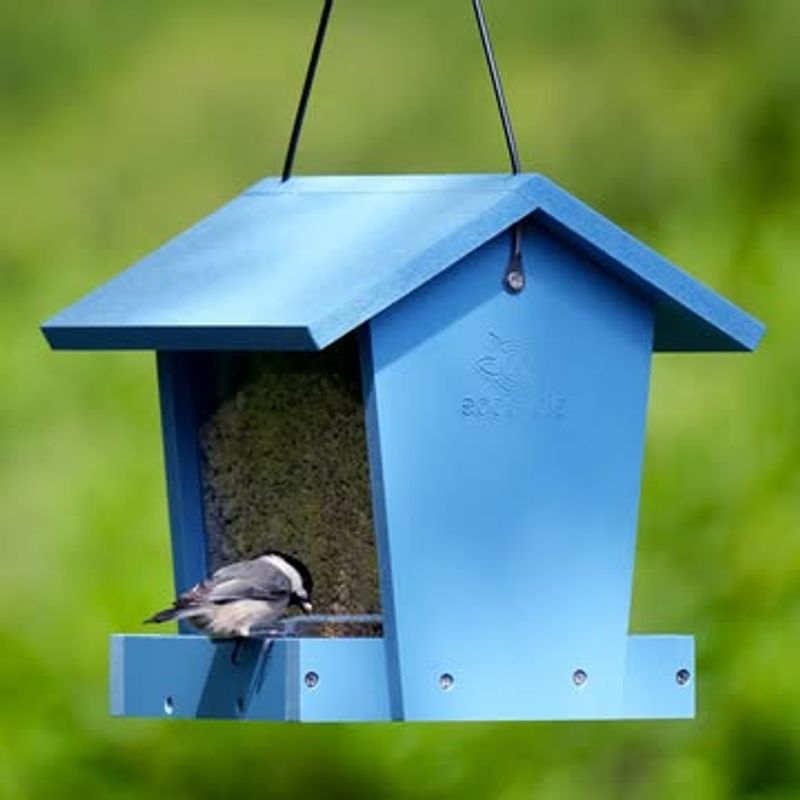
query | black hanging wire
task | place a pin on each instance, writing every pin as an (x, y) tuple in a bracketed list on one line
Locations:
[(306, 93), (497, 85), (515, 277)]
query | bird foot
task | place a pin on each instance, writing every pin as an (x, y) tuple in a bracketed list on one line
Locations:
[(238, 642)]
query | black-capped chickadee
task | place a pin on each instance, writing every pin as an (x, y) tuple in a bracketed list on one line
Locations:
[(244, 596)]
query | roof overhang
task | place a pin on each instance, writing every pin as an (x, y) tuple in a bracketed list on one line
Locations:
[(298, 265)]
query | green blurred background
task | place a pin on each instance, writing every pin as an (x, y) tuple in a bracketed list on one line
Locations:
[(123, 122)]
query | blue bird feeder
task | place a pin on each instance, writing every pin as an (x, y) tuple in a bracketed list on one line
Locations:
[(504, 439)]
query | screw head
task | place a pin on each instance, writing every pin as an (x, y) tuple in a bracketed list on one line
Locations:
[(311, 679), (579, 677), (682, 677), (515, 280), (446, 681)]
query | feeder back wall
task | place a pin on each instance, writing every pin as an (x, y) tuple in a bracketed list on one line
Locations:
[(282, 465)]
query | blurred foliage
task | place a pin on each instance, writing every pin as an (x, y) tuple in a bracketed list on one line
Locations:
[(122, 122)]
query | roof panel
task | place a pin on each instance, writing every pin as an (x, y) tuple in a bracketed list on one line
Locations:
[(690, 316), (292, 256), (297, 265)]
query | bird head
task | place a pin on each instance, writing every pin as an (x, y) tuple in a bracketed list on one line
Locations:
[(300, 577)]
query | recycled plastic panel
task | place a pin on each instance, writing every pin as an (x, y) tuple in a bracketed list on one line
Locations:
[(189, 677), (689, 316), (297, 265), (292, 266), (507, 436), (660, 678), (267, 451)]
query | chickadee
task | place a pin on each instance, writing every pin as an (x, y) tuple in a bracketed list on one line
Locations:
[(243, 596)]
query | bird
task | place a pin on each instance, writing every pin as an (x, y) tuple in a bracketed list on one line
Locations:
[(243, 597)]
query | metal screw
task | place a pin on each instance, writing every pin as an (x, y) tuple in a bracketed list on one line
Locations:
[(169, 706), (682, 677), (446, 681), (311, 680), (579, 677), (515, 281)]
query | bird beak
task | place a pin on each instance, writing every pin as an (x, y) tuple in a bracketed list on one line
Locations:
[(307, 607)]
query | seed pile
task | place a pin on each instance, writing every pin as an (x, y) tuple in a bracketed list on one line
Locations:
[(285, 468)]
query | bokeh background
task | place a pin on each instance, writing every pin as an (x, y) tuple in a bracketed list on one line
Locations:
[(123, 122)]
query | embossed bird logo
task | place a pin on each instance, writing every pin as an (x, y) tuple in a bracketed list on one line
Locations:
[(508, 364)]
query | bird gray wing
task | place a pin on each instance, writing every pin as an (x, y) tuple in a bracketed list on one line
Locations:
[(249, 580)]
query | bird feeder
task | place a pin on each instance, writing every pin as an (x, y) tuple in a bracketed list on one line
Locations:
[(344, 372)]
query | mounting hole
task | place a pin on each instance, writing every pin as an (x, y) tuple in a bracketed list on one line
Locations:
[(682, 677), (446, 681), (311, 680), (579, 678), (169, 706)]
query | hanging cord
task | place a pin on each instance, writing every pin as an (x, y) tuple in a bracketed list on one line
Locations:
[(306, 93), (497, 85), (515, 277)]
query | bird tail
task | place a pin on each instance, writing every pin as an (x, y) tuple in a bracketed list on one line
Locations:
[(164, 616), (184, 606)]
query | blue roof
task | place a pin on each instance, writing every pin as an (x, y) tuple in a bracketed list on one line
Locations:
[(297, 265)]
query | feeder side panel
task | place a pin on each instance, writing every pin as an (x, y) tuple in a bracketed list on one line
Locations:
[(511, 438)]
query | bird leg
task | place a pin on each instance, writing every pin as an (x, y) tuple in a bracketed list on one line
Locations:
[(237, 646)]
